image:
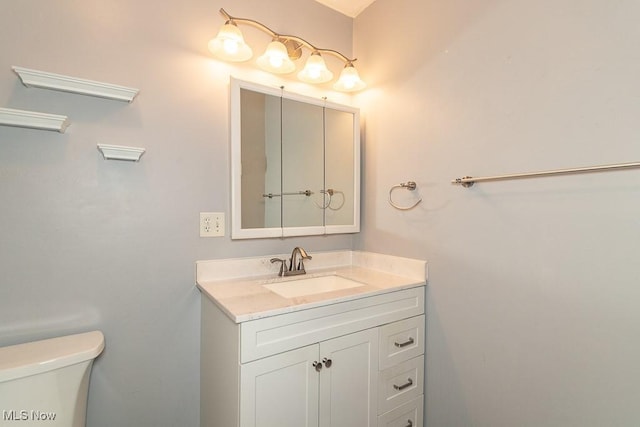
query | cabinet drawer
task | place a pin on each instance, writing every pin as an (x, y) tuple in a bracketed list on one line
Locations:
[(408, 415), (400, 384), (271, 335), (401, 341)]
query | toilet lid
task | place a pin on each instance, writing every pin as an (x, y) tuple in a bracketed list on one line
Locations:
[(36, 357)]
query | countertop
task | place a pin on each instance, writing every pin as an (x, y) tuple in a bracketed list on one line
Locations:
[(245, 298)]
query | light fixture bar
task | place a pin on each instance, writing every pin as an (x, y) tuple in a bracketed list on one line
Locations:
[(275, 35), (229, 45)]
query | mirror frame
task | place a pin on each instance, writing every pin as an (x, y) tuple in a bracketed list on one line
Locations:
[(237, 232)]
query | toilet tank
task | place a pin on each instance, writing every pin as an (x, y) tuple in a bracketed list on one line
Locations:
[(46, 382)]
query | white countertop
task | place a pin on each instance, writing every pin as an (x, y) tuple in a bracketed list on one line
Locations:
[(236, 285)]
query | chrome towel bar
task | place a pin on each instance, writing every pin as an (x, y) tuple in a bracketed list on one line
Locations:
[(295, 193), (468, 181)]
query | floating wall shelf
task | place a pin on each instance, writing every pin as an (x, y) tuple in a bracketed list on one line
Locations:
[(118, 152), (41, 79), (33, 120)]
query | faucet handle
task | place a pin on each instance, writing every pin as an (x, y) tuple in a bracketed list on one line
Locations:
[(282, 263)]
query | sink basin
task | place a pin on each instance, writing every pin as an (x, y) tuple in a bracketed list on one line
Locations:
[(312, 286)]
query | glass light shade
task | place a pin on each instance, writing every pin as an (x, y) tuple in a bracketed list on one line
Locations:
[(315, 70), (276, 59), (229, 44), (349, 80)]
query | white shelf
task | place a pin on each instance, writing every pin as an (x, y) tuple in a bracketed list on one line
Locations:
[(119, 152), (33, 120), (41, 79)]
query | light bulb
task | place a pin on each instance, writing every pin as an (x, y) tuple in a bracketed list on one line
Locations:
[(230, 46), (276, 62)]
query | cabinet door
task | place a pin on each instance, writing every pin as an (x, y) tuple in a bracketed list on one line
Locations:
[(348, 381), (281, 390)]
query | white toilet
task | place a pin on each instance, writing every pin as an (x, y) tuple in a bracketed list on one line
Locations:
[(46, 382)]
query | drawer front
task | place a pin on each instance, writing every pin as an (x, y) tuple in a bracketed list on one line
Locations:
[(401, 341), (271, 335), (408, 415), (400, 384)]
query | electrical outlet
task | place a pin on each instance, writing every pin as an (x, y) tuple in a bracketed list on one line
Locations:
[(211, 224)]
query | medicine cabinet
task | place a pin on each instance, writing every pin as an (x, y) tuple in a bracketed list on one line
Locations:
[(295, 164)]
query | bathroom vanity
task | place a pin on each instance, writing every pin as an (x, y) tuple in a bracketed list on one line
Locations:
[(342, 345)]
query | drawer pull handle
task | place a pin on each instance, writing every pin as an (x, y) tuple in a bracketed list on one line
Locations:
[(409, 423), (327, 362), (409, 383), (317, 365), (404, 344)]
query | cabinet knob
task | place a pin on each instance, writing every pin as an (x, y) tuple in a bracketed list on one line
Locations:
[(318, 366), (327, 362), (409, 423)]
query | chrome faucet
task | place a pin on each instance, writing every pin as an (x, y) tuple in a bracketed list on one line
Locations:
[(297, 268)]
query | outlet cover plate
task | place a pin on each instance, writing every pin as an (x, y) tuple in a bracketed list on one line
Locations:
[(211, 224)]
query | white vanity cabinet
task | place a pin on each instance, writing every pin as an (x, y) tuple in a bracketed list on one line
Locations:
[(354, 363)]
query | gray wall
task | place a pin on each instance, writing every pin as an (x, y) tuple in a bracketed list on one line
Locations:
[(92, 244), (533, 298), (533, 301)]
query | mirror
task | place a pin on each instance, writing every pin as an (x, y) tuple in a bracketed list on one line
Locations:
[(295, 164)]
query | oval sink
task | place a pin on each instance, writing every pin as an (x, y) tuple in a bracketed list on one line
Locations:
[(312, 285)]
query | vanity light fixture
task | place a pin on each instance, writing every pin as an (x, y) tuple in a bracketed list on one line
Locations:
[(278, 58)]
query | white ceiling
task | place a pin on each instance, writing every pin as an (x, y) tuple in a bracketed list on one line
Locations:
[(348, 7)]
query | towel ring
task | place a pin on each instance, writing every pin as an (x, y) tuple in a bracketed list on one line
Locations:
[(325, 203), (333, 192), (409, 185), (329, 192)]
